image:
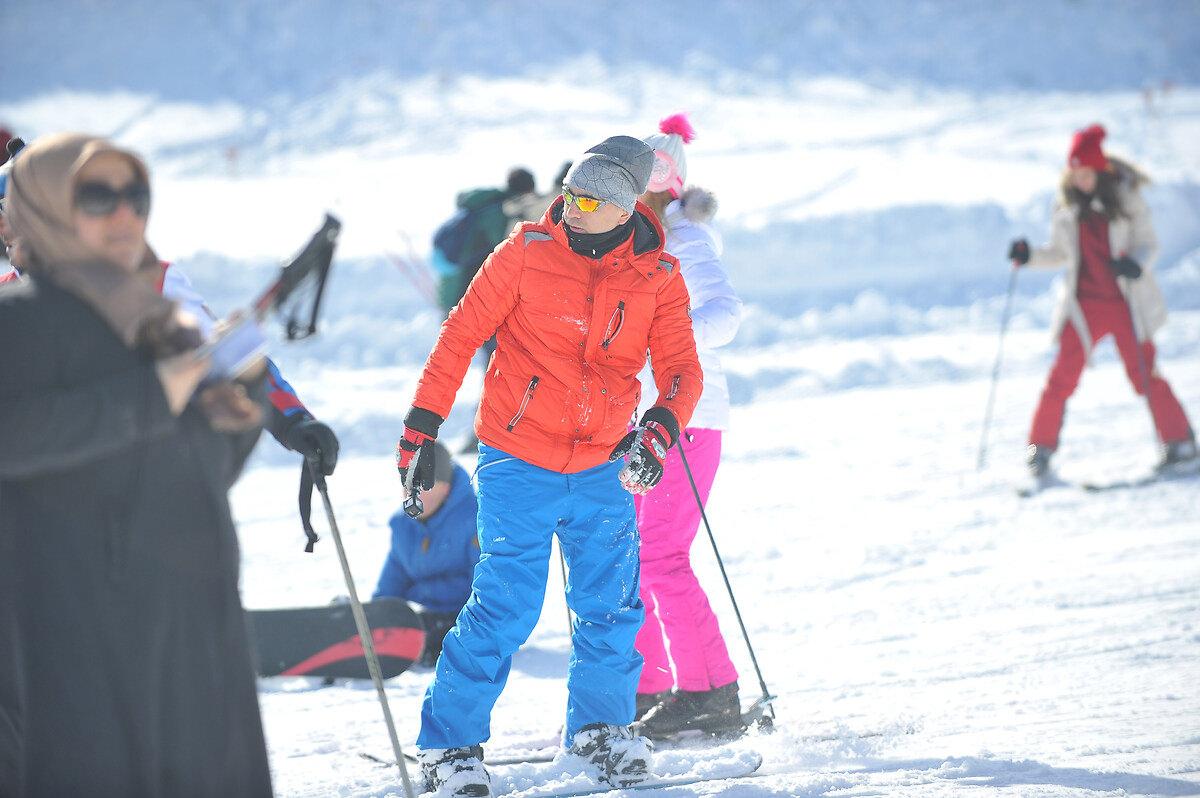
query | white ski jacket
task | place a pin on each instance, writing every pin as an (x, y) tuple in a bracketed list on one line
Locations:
[(1131, 235), (716, 310)]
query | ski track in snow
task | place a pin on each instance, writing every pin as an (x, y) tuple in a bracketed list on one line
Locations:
[(927, 632)]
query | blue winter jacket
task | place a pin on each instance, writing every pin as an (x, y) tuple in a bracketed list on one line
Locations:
[(432, 562)]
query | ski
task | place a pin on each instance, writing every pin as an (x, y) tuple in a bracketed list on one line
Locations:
[(1032, 486), (735, 770), (1188, 470), (757, 714)]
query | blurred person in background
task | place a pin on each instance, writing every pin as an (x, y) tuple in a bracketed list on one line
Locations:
[(701, 692), (575, 302), (1102, 232), (484, 218), (480, 222), (433, 557), (125, 642), (532, 206)]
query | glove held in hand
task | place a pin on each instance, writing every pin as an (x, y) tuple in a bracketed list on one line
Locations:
[(644, 449), (415, 449), (315, 440), (1018, 252), (1125, 266)]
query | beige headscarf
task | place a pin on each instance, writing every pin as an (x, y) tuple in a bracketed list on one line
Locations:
[(39, 203)]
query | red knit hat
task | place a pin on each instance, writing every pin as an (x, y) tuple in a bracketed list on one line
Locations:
[(1085, 149)]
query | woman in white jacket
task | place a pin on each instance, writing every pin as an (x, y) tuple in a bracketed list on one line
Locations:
[(677, 610), (1102, 232)]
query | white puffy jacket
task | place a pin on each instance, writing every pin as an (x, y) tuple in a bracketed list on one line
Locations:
[(715, 309), (1131, 235)]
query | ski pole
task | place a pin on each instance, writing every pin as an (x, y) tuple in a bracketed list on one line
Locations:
[(987, 415), (364, 631), (767, 698), (1143, 370)]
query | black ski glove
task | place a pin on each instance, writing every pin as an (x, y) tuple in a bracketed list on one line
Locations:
[(415, 452), (316, 441), (645, 450), (1126, 266), (1018, 252)]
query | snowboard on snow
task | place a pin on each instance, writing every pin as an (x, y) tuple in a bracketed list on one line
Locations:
[(324, 641)]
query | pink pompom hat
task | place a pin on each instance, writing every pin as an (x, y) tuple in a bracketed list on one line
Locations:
[(670, 164)]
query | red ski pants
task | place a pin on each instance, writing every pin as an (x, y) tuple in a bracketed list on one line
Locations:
[(1106, 318), (678, 616)]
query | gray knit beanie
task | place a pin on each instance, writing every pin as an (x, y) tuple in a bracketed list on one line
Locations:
[(617, 169)]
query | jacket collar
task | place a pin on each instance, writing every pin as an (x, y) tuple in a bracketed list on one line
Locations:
[(644, 249)]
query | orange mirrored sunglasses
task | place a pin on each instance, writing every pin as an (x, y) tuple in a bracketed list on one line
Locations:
[(585, 204)]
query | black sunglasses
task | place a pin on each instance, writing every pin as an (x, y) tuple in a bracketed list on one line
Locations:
[(101, 199)]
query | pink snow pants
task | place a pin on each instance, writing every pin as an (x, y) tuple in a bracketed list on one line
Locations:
[(680, 627)]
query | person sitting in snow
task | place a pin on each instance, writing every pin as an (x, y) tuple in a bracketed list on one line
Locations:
[(288, 421), (575, 302), (433, 557), (678, 615), (1102, 232)]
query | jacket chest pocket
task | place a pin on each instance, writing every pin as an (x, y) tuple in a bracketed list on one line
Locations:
[(624, 325), (615, 325)]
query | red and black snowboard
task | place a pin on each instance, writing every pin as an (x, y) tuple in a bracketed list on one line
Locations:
[(324, 642)]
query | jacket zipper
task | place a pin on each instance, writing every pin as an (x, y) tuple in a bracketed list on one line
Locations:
[(674, 387), (618, 318), (524, 403)]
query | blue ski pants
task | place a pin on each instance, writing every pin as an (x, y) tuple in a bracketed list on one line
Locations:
[(520, 507)]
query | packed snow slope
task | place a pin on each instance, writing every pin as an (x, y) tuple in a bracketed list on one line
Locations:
[(927, 633)]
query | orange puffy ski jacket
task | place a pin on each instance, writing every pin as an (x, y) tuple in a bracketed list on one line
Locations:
[(572, 333)]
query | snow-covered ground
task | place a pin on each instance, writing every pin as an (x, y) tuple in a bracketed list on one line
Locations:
[(927, 633)]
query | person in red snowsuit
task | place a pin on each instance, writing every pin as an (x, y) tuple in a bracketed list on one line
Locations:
[(1102, 232)]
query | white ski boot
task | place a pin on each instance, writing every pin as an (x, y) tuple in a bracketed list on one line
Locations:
[(619, 757), (455, 772)]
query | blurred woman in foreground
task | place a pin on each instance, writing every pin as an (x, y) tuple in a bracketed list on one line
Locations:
[(126, 659)]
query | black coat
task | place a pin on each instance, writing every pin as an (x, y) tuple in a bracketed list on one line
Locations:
[(124, 663)]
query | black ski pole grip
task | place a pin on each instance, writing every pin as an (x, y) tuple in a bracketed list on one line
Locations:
[(413, 506)]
